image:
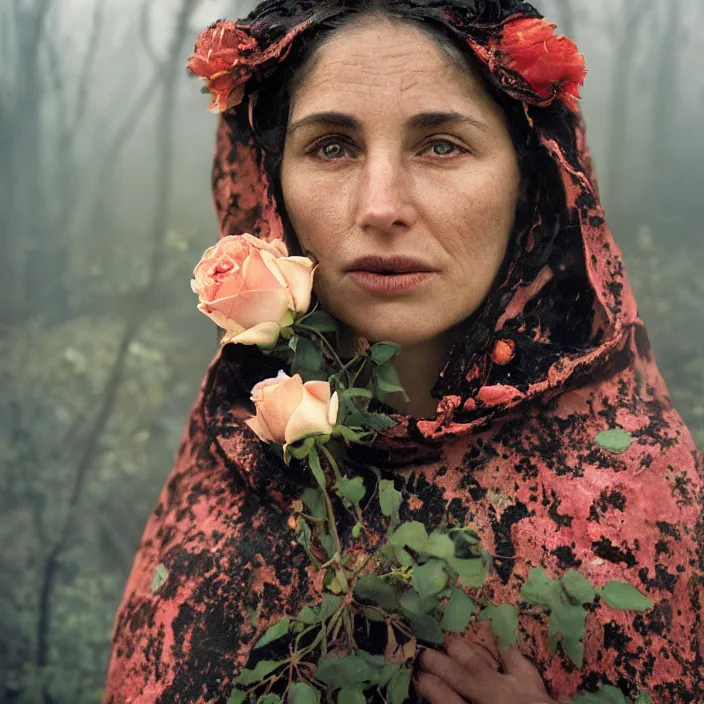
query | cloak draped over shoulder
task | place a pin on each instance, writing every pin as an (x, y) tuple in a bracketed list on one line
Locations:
[(512, 449)]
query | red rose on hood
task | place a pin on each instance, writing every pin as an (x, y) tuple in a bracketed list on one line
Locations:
[(552, 66), (222, 57)]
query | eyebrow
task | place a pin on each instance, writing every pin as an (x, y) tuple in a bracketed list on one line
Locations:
[(420, 121)]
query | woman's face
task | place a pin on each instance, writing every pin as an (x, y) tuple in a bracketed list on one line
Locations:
[(395, 155)]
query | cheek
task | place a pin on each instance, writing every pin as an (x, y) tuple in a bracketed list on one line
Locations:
[(481, 215)]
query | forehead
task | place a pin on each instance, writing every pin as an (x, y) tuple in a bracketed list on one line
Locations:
[(387, 64)]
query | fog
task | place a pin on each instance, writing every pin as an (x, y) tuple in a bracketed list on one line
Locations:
[(105, 153)]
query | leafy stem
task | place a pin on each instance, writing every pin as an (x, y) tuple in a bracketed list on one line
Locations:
[(329, 348)]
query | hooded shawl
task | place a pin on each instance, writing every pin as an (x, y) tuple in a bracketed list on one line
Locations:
[(556, 356)]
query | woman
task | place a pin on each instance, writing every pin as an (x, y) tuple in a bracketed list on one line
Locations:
[(430, 156)]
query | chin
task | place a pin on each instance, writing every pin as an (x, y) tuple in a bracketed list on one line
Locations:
[(398, 331)]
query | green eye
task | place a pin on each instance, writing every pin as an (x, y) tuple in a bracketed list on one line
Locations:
[(443, 148), (332, 150)]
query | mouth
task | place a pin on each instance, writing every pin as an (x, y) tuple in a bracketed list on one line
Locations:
[(390, 275), (390, 266)]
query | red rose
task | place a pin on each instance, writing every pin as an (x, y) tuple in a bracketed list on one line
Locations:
[(223, 58), (552, 66)]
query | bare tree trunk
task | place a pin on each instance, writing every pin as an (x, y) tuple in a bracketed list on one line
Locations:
[(170, 71), (664, 102), (620, 98)]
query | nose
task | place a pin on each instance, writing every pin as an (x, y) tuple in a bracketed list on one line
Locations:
[(384, 200)]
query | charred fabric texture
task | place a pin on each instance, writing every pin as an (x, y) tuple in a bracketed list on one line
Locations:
[(512, 449)]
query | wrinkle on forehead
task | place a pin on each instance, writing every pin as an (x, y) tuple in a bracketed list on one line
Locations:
[(345, 64)]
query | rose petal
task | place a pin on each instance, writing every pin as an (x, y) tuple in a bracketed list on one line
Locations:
[(311, 415), (258, 275), (260, 428), (277, 403), (280, 377), (263, 335), (275, 247), (220, 320), (333, 409), (253, 307), (272, 264), (299, 272)]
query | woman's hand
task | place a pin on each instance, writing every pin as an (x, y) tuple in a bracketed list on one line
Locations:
[(473, 670)]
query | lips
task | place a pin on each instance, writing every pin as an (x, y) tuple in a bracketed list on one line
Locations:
[(397, 264)]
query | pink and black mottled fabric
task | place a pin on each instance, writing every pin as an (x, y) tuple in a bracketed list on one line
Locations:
[(511, 450)]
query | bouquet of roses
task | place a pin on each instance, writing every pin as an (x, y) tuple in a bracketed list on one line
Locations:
[(398, 585)]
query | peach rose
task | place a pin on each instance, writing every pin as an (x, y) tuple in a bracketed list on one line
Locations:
[(288, 409), (252, 288)]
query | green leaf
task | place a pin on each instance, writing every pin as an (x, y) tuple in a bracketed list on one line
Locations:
[(308, 358), (372, 615), (369, 587), (351, 489), (606, 695), (262, 669), (344, 672), (303, 693), (387, 379), (388, 672), (377, 421), (440, 545), (327, 540), (427, 628), (540, 590), (574, 650), (504, 624), (410, 603), (616, 441), (347, 433), (161, 574), (330, 604), (397, 691), (278, 630), (320, 321), (352, 695), (237, 697), (316, 468), (568, 620), (430, 578), (578, 587), (458, 612), (411, 534), (472, 572), (303, 533), (390, 499), (621, 595), (314, 501), (301, 450), (356, 392), (356, 530), (644, 698), (308, 615), (269, 699), (382, 352)]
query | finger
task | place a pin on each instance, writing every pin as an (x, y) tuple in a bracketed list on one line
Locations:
[(435, 690), (480, 632), (473, 681), (466, 653), (520, 667)]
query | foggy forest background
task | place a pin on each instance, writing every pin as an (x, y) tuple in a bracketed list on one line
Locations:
[(105, 152)]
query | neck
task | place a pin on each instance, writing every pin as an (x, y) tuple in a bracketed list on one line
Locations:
[(418, 367)]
